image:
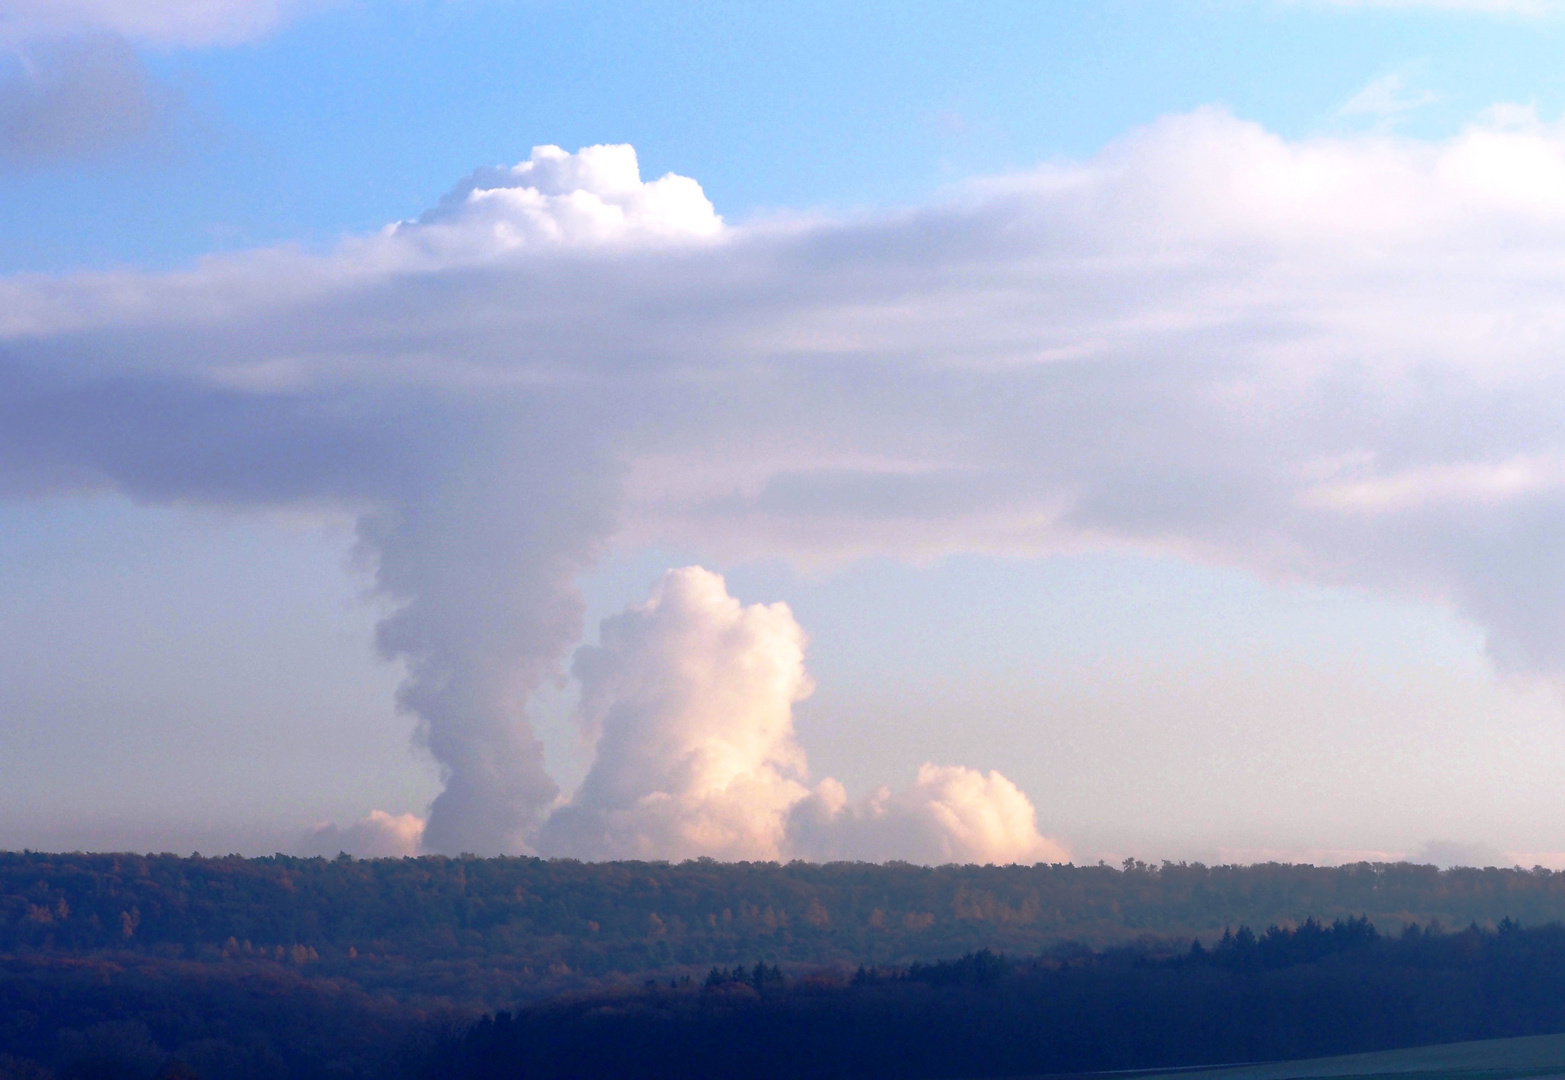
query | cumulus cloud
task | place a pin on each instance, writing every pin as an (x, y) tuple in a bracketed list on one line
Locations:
[(379, 835), (1332, 360), (689, 698), (951, 814), (595, 196)]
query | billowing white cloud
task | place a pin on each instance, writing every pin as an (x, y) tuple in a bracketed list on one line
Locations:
[(378, 835), (689, 698), (592, 197), (1333, 360), (950, 814)]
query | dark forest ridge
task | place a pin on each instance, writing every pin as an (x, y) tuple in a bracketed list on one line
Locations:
[(147, 1010), (1280, 995)]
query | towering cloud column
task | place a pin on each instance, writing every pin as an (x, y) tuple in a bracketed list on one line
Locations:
[(485, 564), (1333, 361), (690, 697)]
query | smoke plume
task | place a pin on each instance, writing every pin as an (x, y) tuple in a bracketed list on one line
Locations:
[(1331, 360), (690, 699), (378, 835), (951, 814)]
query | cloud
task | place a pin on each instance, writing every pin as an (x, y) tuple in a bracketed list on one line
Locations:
[(1331, 360), (1387, 98), (1494, 483), (951, 814), (378, 836), (689, 699), (78, 99), (73, 85), (592, 197), (1313, 856), (1449, 853)]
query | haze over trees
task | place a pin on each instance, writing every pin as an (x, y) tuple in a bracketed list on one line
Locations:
[(497, 930), (291, 967), (1286, 993)]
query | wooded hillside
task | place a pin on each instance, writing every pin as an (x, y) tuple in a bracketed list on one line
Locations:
[(494, 931)]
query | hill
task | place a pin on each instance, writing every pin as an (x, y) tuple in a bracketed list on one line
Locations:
[(491, 932), (263, 969), (1284, 995)]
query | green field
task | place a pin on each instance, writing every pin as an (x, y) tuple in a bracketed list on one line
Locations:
[(1487, 1059)]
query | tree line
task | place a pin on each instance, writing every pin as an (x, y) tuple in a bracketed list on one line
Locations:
[(291, 967), (1287, 992), (498, 930), (1314, 990)]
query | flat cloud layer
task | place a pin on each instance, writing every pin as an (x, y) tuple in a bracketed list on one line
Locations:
[(1333, 361)]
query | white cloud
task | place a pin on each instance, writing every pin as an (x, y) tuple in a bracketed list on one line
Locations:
[(595, 196), (1387, 98), (1333, 360), (951, 814), (689, 699), (378, 835), (1314, 856), (1409, 489)]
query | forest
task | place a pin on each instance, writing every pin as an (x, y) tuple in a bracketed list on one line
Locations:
[(1287, 993), (289, 967)]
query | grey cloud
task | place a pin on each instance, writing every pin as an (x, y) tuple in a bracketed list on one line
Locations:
[(1449, 853), (483, 561), (78, 99)]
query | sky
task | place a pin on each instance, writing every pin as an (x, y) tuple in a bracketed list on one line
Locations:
[(982, 432)]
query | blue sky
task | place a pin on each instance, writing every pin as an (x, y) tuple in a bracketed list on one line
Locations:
[(189, 646), (364, 113)]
